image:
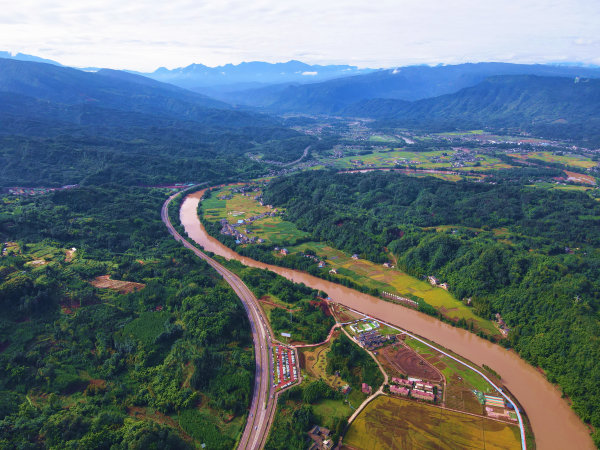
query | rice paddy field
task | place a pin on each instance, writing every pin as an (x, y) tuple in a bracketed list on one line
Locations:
[(441, 159), (241, 207), (376, 276), (275, 230), (563, 187), (570, 160), (395, 423)]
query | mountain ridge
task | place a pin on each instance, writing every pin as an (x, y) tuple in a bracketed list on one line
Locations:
[(405, 83)]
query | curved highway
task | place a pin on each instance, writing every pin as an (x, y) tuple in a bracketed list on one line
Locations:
[(262, 408)]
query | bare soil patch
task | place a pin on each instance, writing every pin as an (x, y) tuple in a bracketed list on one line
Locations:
[(580, 178), (407, 362), (267, 301), (123, 287), (69, 255)]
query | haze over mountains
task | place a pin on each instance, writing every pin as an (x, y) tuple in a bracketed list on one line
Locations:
[(405, 83), (250, 74), (542, 99), (549, 106)]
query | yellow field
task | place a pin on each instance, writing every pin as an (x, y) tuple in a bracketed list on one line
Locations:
[(570, 160), (441, 159), (394, 423), (276, 230), (391, 280)]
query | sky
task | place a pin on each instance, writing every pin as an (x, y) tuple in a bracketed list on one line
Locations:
[(145, 35)]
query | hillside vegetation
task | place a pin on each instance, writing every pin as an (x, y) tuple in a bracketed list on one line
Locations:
[(547, 106), (64, 126), (168, 366), (507, 247)]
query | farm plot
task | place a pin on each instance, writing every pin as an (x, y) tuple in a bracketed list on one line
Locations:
[(403, 361), (396, 423), (123, 287), (460, 381), (376, 276)]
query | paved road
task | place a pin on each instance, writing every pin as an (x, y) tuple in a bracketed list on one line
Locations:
[(262, 408)]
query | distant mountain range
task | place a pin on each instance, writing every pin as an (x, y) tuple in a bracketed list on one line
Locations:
[(550, 106), (66, 93), (24, 57), (550, 100), (406, 83), (60, 125), (251, 74)]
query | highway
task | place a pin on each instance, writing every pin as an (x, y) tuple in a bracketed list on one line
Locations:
[(263, 405)]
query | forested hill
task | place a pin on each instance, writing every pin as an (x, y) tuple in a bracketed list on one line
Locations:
[(63, 126), (115, 90), (546, 105), (501, 245)]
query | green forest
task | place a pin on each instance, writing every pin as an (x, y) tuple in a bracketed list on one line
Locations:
[(169, 365), (301, 316), (529, 254)]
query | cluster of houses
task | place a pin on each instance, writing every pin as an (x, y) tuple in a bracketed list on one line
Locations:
[(502, 325), (23, 191), (321, 438), (435, 282), (497, 408), (461, 158), (372, 340), (316, 259), (413, 387), (399, 298), (9, 246), (231, 229)]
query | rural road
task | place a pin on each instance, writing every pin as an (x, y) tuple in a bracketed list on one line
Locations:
[(262, 408)]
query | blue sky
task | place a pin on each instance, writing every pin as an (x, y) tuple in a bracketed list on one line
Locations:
[(143, 35)]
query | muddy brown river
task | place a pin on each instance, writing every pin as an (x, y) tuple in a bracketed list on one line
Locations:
[(554, 424)]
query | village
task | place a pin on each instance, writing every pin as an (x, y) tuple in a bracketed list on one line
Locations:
[(30, 191), (233, 229)]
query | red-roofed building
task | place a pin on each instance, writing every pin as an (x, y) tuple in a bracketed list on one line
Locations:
[(399, 390), (366, 389), (422, 395), (402, 382)]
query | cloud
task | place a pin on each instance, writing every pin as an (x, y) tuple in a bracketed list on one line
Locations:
[(145, 34), (310, 74)]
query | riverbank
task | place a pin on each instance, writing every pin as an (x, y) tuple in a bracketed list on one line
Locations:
[(554, 424)]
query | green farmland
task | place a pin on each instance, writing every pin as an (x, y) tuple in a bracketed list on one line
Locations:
[(376, 276)]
